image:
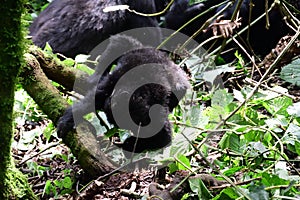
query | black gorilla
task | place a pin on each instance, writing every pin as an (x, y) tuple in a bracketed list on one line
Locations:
[(181, 12), (143, 78), (259, 38), (72, 27)]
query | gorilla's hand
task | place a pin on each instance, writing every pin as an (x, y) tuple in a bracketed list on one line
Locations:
[(65, 123)]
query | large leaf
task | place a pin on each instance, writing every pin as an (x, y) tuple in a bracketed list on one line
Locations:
[(291, 72)]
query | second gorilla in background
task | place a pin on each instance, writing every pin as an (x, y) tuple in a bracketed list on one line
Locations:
[(258, 39), (73, 27)]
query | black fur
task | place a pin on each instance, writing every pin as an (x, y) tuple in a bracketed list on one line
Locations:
[(168, 84), (261, 39), (181, 12), (72, 27)]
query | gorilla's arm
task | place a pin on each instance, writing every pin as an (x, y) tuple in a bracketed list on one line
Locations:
[(181, 12), (143, 77), (158, 141), (100, 83), (93, 101)]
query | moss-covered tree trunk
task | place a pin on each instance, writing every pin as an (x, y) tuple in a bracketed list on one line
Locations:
[(13, 184), (82, 143)]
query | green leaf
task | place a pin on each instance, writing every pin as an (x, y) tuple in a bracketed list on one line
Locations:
[(185, 161), (84, 68), (258, 192), (230, 141), (240, 63), (256, 149), (49, 188), (275, 124), (48, 48), (253, 135), (49, 131), (69, 62), (291, 72), (292, 134), (111, 132), (294, 109), (58, 183), (227, 194), (67, 182), (221, 98), (268, 138), (281, 170), (180, 144), (297, 147), (215, 114), (196, 117), (232, 170), (272, 179), (252, 116), (124, 134), (238, 95), (278, 105), (211, 74), (172, 167), (258, 146), (185, 196), (198, 187), (241, 128)]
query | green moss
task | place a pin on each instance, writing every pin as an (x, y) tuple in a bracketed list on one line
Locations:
[(15, 185)]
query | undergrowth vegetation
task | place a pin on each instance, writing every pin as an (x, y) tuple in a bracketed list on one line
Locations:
[(247, 133), (248, 136), (238, 123)]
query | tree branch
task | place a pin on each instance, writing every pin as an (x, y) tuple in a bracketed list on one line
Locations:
[(82, 142)]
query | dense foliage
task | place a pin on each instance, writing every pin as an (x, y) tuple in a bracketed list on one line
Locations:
[(242, 121)]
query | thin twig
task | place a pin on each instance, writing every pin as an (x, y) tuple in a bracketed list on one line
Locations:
[(49, 147)]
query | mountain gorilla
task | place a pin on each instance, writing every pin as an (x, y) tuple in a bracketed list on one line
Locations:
[(259, 38), (181, 12), (143, 78), (74, 27)]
